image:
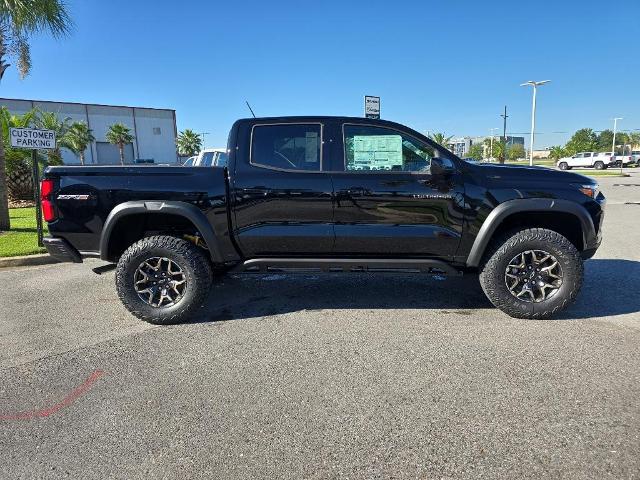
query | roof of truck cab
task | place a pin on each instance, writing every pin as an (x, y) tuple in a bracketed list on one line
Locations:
[(320, 118), (327, 118)]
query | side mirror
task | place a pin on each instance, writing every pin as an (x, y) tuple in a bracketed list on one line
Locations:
[(440, 166)]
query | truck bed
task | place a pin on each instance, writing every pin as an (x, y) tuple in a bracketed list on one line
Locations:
[(86, 195)]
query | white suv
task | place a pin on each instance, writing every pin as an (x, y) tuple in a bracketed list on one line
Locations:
[(599, 161)]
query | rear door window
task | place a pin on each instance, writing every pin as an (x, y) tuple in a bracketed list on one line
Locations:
[(287, 146)]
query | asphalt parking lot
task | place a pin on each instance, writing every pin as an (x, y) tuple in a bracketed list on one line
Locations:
[(356, 376)]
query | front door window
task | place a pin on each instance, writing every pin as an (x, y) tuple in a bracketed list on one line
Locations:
[(370, 148)]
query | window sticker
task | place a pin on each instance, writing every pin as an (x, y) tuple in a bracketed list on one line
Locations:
[(377, 152)]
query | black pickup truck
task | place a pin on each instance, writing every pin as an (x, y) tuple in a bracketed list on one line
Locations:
[(328, 194)]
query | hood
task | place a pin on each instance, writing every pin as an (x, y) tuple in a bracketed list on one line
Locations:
[(537, 174)]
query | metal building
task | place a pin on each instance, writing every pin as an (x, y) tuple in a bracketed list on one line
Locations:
[(154, 130)]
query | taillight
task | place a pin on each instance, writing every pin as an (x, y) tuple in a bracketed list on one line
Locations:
[(46, 192)]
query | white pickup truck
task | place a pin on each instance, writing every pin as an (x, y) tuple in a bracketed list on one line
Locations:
[(211, 157), (599, 161)]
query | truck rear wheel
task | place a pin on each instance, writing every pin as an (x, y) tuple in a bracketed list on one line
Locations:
[(532, 273), (162, 279)]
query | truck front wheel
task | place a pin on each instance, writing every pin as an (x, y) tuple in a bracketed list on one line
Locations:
[(532, 273), (163, 279)]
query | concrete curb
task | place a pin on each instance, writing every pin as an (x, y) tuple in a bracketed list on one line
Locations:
[(27, 261)]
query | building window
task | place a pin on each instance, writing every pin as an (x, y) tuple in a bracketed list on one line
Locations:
[(157, 131)]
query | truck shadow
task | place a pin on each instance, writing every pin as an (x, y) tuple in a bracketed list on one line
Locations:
[(608, 290)]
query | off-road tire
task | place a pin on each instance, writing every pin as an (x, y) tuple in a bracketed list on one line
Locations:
[(598, 165), (564, 166), (190, 258), (504, 249)]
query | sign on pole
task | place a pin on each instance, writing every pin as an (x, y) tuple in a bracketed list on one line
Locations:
[(34, 139), (371, 107)]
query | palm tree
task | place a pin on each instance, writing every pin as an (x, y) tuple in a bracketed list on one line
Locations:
[(496, 149), (441, 139), (119, 134), (17, 160), (189, 143), (18, 21), (79, 137), (634, 139), (50, 121), (557, 152)]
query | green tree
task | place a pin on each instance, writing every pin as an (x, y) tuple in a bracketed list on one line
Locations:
[(622, 139), (79, 137), (634, 139), (441, 139), (189, 143), (119, 134), (557, 152), (50, 121), (19, 20), (17, 160), (498, 150), (605, 140), (516, 151), (584, 140), (476, 151)]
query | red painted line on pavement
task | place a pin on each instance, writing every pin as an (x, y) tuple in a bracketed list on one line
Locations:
[(65, 402)]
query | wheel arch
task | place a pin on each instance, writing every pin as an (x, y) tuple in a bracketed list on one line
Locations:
[(183, 210), (514, 211)]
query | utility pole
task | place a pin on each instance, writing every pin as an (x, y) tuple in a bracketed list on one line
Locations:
[(202, 134), (504, 127), (504, 131)]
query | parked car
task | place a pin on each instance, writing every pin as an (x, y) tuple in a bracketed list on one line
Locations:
[(622, 161), (327, 194), (636, 156), (212, 157), (599, 161)]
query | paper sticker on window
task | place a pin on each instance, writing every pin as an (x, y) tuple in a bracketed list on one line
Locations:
[(377, 152), (311, 147)]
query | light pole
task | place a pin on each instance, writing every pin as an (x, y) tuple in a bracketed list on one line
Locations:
[(613, 146), (491, 147), (535, 86)]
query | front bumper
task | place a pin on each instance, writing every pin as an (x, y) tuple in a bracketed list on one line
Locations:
[(61, 250)]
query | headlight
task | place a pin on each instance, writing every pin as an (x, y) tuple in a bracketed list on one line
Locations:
[(590, 191)]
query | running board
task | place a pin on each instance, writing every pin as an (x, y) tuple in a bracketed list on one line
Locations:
[(412, 265)]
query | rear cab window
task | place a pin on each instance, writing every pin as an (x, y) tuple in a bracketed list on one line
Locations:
[(294, 147)]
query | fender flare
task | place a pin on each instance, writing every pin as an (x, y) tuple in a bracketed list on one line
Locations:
[(183, 209), (502, 211)]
